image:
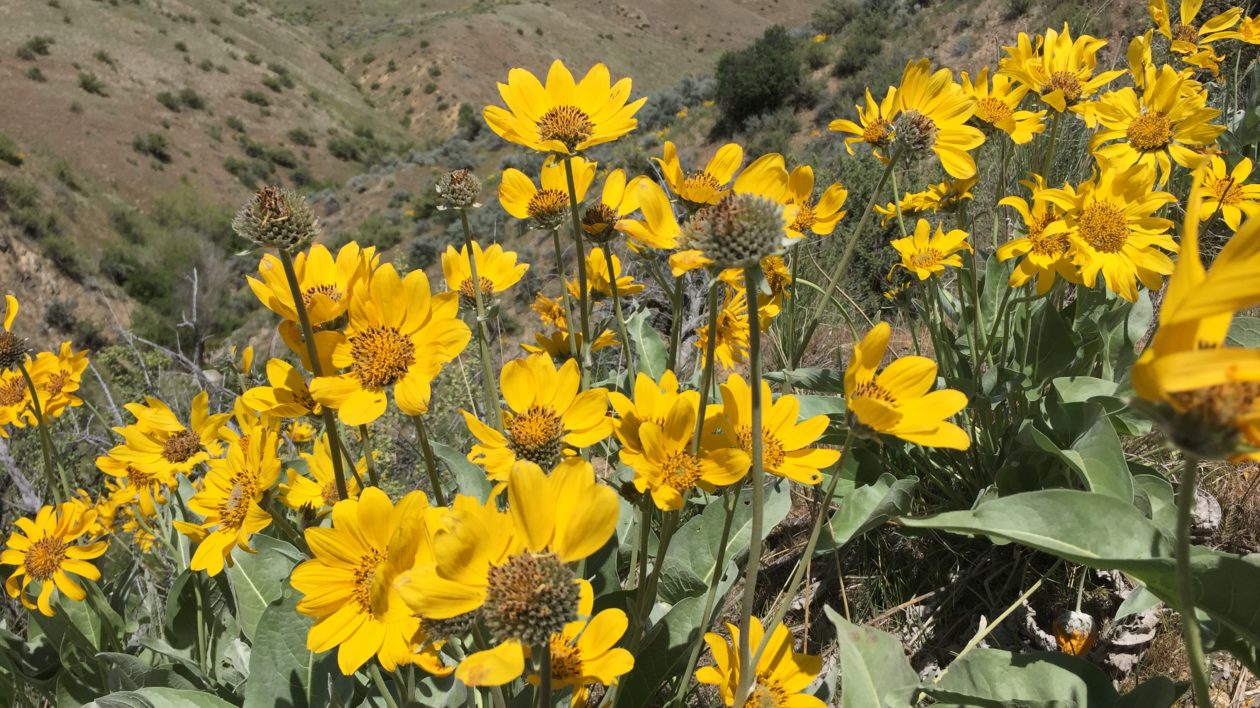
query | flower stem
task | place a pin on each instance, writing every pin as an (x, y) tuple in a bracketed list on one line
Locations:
[(483, 332), (568, 305), (675, 323), (583, 297), (45, 442), (544, 676), (621, 318), (706, 378), (850, 249), (367, 455), (1185, 586), (1049, 156), (308, 333), (382, 687), (430, 461), (747, 674), (1001, 188)]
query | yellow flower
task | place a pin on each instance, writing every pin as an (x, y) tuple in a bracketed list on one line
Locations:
[(602, 220), (819, 38), (288, 395), (15, 401), (731, 347), (318, 492), (652, 401), (1057, 68), (597, 278), (513, 569), (326, 284), (777, 277), (1110, 221), (43, 549), (782, 673), (1186, 37), (1166, 121), (876, 127), (547, 418), (57, 378), (1248, 31), (546, 206), (230, 501), (300, 431), (1047, 253), (1210, 389), (1229, 193), (586, 651), (822, 216), (998, 106), (147, 489), (945, 196), (896, 401), (158, 443), (707, 186), (348, 587), (564, 116), (926, 254), (550, 311), (497, 270), (399, 335), (785, 441), (932, 112), (665, 465), (659, 228)]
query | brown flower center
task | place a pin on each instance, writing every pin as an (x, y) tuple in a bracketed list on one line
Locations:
[(568, 124), (530, 597), (45, 557), (12, 391), (1150, 131), (1067, 82), (535, 435), (235, 506), (382, 355), (993, 110), (599, 222), (548, 204), (468, 295), (870, 389), (56, 382), (1185, 33), (330, 493), (805, 216), (327, 289), (878, 132), (1104, 226), (566, 661), (138, 478), (181, 447)]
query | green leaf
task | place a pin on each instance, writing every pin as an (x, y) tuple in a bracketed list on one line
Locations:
[(810, 379), (1096, 455), (1079, 389), (469, 478), (866, 507), (662, 654), (1139, 600), (128, 673), (259, 579), (653, 355), (159, 698), (1244, 332), (991, 678), (282, 671), (874, 670), (1160, 499)]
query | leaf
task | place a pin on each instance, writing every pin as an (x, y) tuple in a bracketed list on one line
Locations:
[(1139, 600), (282, 671), (692, 558), (1079, 389), (469, 478), (810, 379), (1096, 455), (662, 654), (128, 673), (1244, 332), (259, 579), (874, 670), (649, 345), (992, 678), (159, 698), (1163, 505), (866, 507)]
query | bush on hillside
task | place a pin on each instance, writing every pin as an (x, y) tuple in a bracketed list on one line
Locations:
[(759, 78)]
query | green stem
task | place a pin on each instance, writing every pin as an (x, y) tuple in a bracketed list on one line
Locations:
[(675, 323), (308, 333), (367, 454), (583, 295), (568, 306), (706, 377), (45, 442), (790, 340), (430, 460), (1049, 156), (544, 676), (850, 249), (621, 318), (747, 674), (1001, 188), (381, 686), (483, 332), (1186, 586)]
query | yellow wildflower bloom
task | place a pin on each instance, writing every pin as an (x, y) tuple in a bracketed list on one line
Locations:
[(497, 270), (998, 106), (399, 336), (932, 112), (158, 443), (896, 401), (586, 651), (926, 254), (732, 335), (785, 446), (1229, 193), (147, 489), (43, 549), (563, 116), (287, 396), (944, 196), (1186, 37), (326, 283), (556, 343), (652, 401), (659, 228), (819, 217), (15, 401), (57, 378), (547, 205), (1248, 30), (707, 186), (1057, 68), (602, 220), (598, 280), (318, 491), (876, 127), (1047, 253), (782, 673)]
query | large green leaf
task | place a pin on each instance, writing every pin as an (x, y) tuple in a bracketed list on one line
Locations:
[(469, 478), (874, 670), (159, 698), (662, 654), (810, 379), (128, 673), (259, 579), (866, 507), (281, 669), (1244, 332), (649, 346), (1095, 455)]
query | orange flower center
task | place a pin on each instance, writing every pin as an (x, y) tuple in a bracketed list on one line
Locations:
[(1067, 82), (57, 382), (993, 110), (138, 478), (805, 216), (772, 453), (699, 181), (45, 557), (568, 124), (566, 661), (599, 222), (181, 447), (329, 290), (927, 258), (12, 391), (330, 493), (877, 132), (535, 435), (680, 471), (235, 506), (364, 576), (468, 295), (547, 205), (1185, 33), (1150, 131), (870, 389), (1104, 226), (382, 355)]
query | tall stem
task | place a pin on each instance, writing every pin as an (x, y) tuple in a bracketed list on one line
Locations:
[(308, 333), (430, 460), (583, 296), (483, 332), (544, 676), (675, 323), (621, 318), (747, 674), (367, 455), (574, 337), (382, 687), (850, 248), (1047, 159), (1000, 190), (1185, 586), (706, 377), (45, 442)]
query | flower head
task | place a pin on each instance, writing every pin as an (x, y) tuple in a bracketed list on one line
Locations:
[(617, 200), (159, 443), (931, 112), (781, 673), (497, 270), (997, 106), (13, 349), (458, 189), (1057, 68), (926, 254), (286, 396), (1191, 40), (545, 206), (1046, 252), (1229, 193), (706, 186), (318, 491), (43, 549), (944, 196), (820, 216), (876, 127), (785, 440), (57, 378), (277, 218)]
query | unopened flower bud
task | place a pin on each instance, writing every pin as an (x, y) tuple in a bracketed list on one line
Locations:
[(279, 218), (458, 189), (13, 350), (738, 231)]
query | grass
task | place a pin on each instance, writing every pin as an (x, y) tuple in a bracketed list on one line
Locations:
[(155, 145), (37, 46), (92, 84)]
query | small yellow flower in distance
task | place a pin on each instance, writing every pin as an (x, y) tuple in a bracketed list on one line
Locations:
[(998, 106), (158, 442), (1248, 30), (287, 396), (547, 417), (926, 254), (247, 360), (513, 569), (1046, 252), (43, 549), (300, 431), (707, 186), (819, 38), (556, 343), (326, 283), (819, 217), (1075, 633), (598, 280), (563, 116), (230, 501), (876, 127), (782, 673), (547, 205), (147, 489), (57, 377), (1057, 68), (1227, 192), (931, 114), (400, 336), (681, 114), (944, 196), (318, 491), (497, 270), (15, 399), (1110, 220), (896, 401), (785, 445), (348, 587)]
